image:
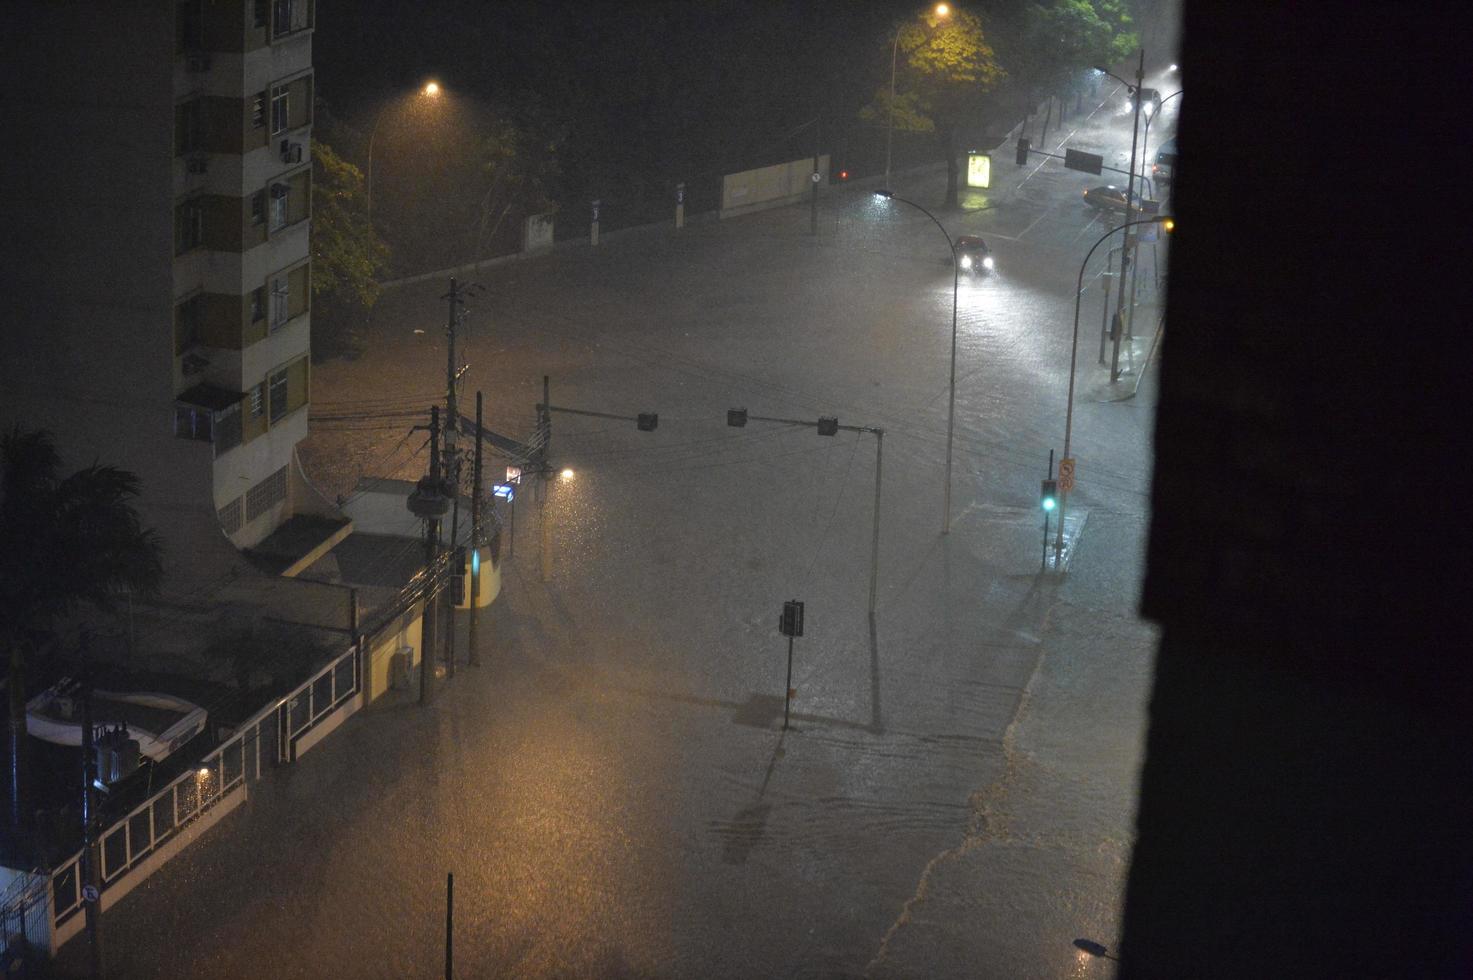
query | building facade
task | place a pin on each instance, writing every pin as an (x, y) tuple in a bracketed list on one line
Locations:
[(158, 260)]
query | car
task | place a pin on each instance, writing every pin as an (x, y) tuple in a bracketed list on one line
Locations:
[(1108, 197), (973, 256), (1151, 101)]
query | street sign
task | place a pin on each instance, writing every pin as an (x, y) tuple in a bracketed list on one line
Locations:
[(1090, 163), (89, 893), (1066, 474)]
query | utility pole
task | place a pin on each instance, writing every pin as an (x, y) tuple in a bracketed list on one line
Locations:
[(453, 314), (91, 880), (813, 211), (428, 502), (544, 473), (1126, 256), (473, 655)]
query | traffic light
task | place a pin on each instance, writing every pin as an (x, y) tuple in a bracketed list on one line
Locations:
[(828, 426), (1023, 144), (1048, 497), (791, 623), (647, 421), (736, 417)]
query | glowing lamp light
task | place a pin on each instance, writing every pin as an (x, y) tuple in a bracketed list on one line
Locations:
[(204, 773), (942, 10), (432, 89), (566, 475), (843, 175)]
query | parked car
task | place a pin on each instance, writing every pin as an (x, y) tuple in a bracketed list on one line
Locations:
[(973, 256), (1110, 198)]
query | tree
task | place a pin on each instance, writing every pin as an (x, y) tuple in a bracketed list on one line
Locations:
[(518, 163), (64, 542), (1044, 44), (347, 255), (948, 70)]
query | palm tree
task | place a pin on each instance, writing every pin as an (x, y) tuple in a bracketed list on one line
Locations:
[(63, 542)]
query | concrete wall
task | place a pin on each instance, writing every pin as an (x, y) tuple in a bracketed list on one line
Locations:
[(771, 187)]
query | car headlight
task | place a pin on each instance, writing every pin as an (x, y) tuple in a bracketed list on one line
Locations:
[(966, 261), (987, 262)]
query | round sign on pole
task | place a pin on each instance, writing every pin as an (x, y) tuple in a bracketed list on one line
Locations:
[(815, 177), (89, 893), (1066, 474)]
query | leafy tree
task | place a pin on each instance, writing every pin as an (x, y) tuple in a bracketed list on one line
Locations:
[(63, 542), (1045, 44), (347, 255), (518, 164), (948, 70)]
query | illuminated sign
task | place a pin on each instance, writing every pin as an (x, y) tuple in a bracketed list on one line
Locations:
[(513, 474), (979, 170), (504, 490)]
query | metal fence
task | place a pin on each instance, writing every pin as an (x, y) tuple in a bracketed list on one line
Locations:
[(268, 739)]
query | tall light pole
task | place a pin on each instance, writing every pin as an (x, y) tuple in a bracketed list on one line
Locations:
[(1074, 361), (951, 384), (1125, 254), (431, 90), (940, 10)]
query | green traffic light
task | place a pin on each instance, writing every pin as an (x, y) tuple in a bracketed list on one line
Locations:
[(1049, 503)]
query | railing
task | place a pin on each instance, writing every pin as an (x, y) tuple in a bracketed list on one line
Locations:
[(272, 733)]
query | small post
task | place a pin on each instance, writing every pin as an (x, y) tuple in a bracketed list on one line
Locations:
[(1047, 118), (545, 474), (788, 690), (473, 654), (679, 206), (1105, 308), (593, 229), (449, 922), (874, 559)]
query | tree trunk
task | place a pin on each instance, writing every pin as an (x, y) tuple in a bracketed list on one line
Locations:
[(946, 136)]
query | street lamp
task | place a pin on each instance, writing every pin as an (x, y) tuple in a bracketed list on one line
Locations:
[(1169, 223), (431, 90), (1146, 137), (1125, 256), (951, 398), (940, 10)]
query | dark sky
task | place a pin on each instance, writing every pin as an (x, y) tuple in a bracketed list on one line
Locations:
[(657, 88)]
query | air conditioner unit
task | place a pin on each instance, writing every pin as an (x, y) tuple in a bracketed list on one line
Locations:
[(193, 364), (198, 62), (291, 152), (198, 165)]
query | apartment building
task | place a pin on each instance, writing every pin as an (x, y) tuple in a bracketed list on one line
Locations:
[(158, 260)]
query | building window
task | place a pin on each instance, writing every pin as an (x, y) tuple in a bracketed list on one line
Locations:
[(266, 494), (278, 389), (230, 516), (280, 302), (192, 422), (189, 225), (260, 13), (258, 398), (187, 127), (187, 323), (258, 304), (258, 208), (290, 15), (258, 110), (228, 429), (280, 195), (280, 110)]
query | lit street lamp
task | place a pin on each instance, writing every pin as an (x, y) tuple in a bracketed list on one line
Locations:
[(941, 10), (1125, 255), (432, 91), (951, 398), (1074, 359)]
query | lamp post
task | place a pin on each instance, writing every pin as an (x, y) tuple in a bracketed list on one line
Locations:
[(1074, 361), (951, 385), (940, 10), (431, 90), (1125, 255)]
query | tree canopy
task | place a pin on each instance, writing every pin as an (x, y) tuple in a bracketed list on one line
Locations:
[(347, 255), (64, 541)]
